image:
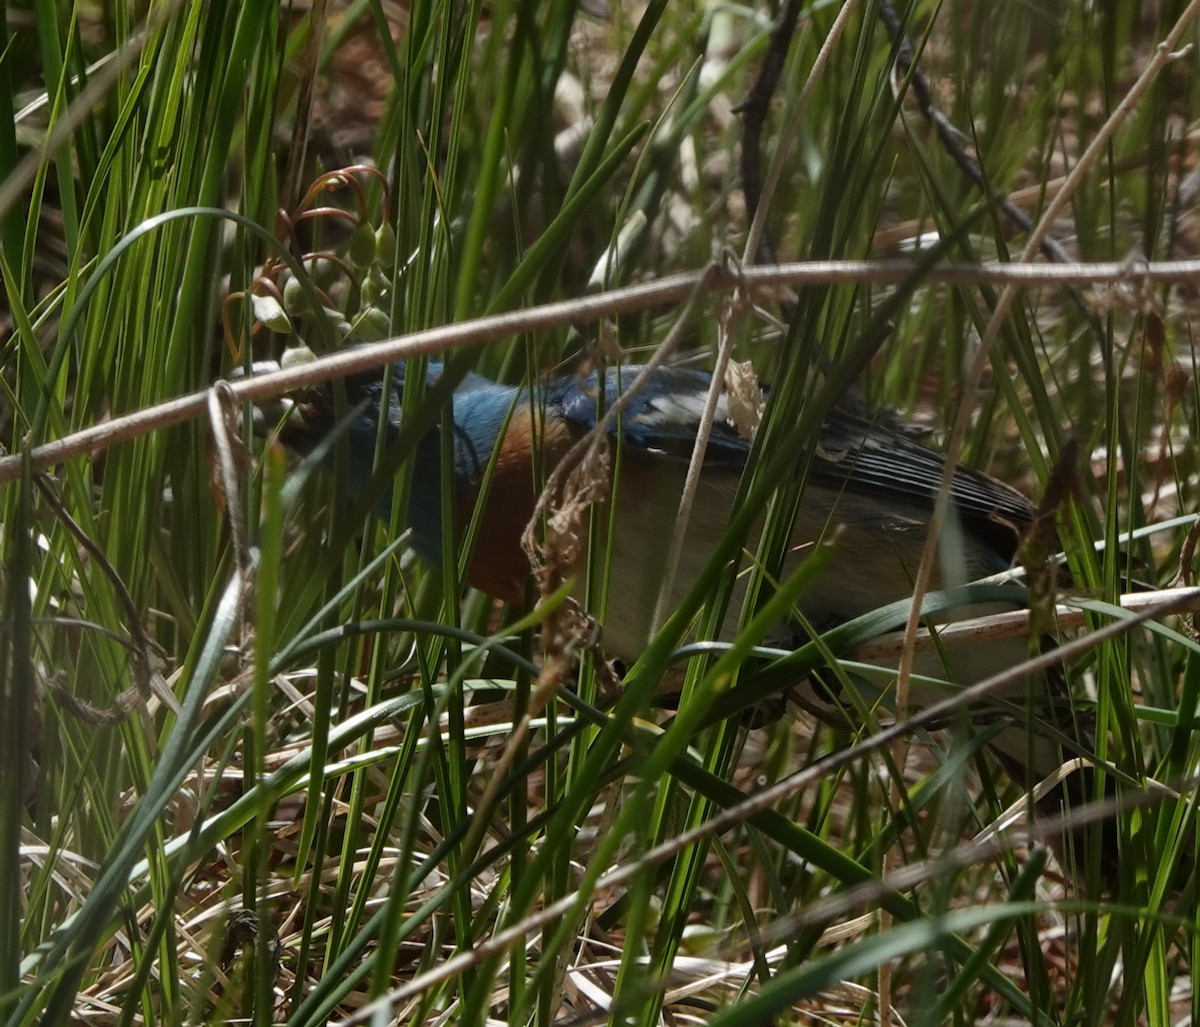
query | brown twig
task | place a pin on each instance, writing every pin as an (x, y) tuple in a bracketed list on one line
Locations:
[(762, 280)]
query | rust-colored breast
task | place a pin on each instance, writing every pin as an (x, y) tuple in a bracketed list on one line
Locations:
[(529, 451)]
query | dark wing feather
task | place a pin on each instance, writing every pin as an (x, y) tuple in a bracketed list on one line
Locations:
[(879, 461), (873, 456)]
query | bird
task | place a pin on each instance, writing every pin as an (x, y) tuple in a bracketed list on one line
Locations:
[(869, 488)]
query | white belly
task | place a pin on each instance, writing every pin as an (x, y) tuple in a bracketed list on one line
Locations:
[(873, 563)]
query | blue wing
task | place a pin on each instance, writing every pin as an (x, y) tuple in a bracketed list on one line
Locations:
[(872, 456), (663, 416)]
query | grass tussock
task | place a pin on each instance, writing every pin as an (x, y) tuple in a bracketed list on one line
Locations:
[(259, 763)]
